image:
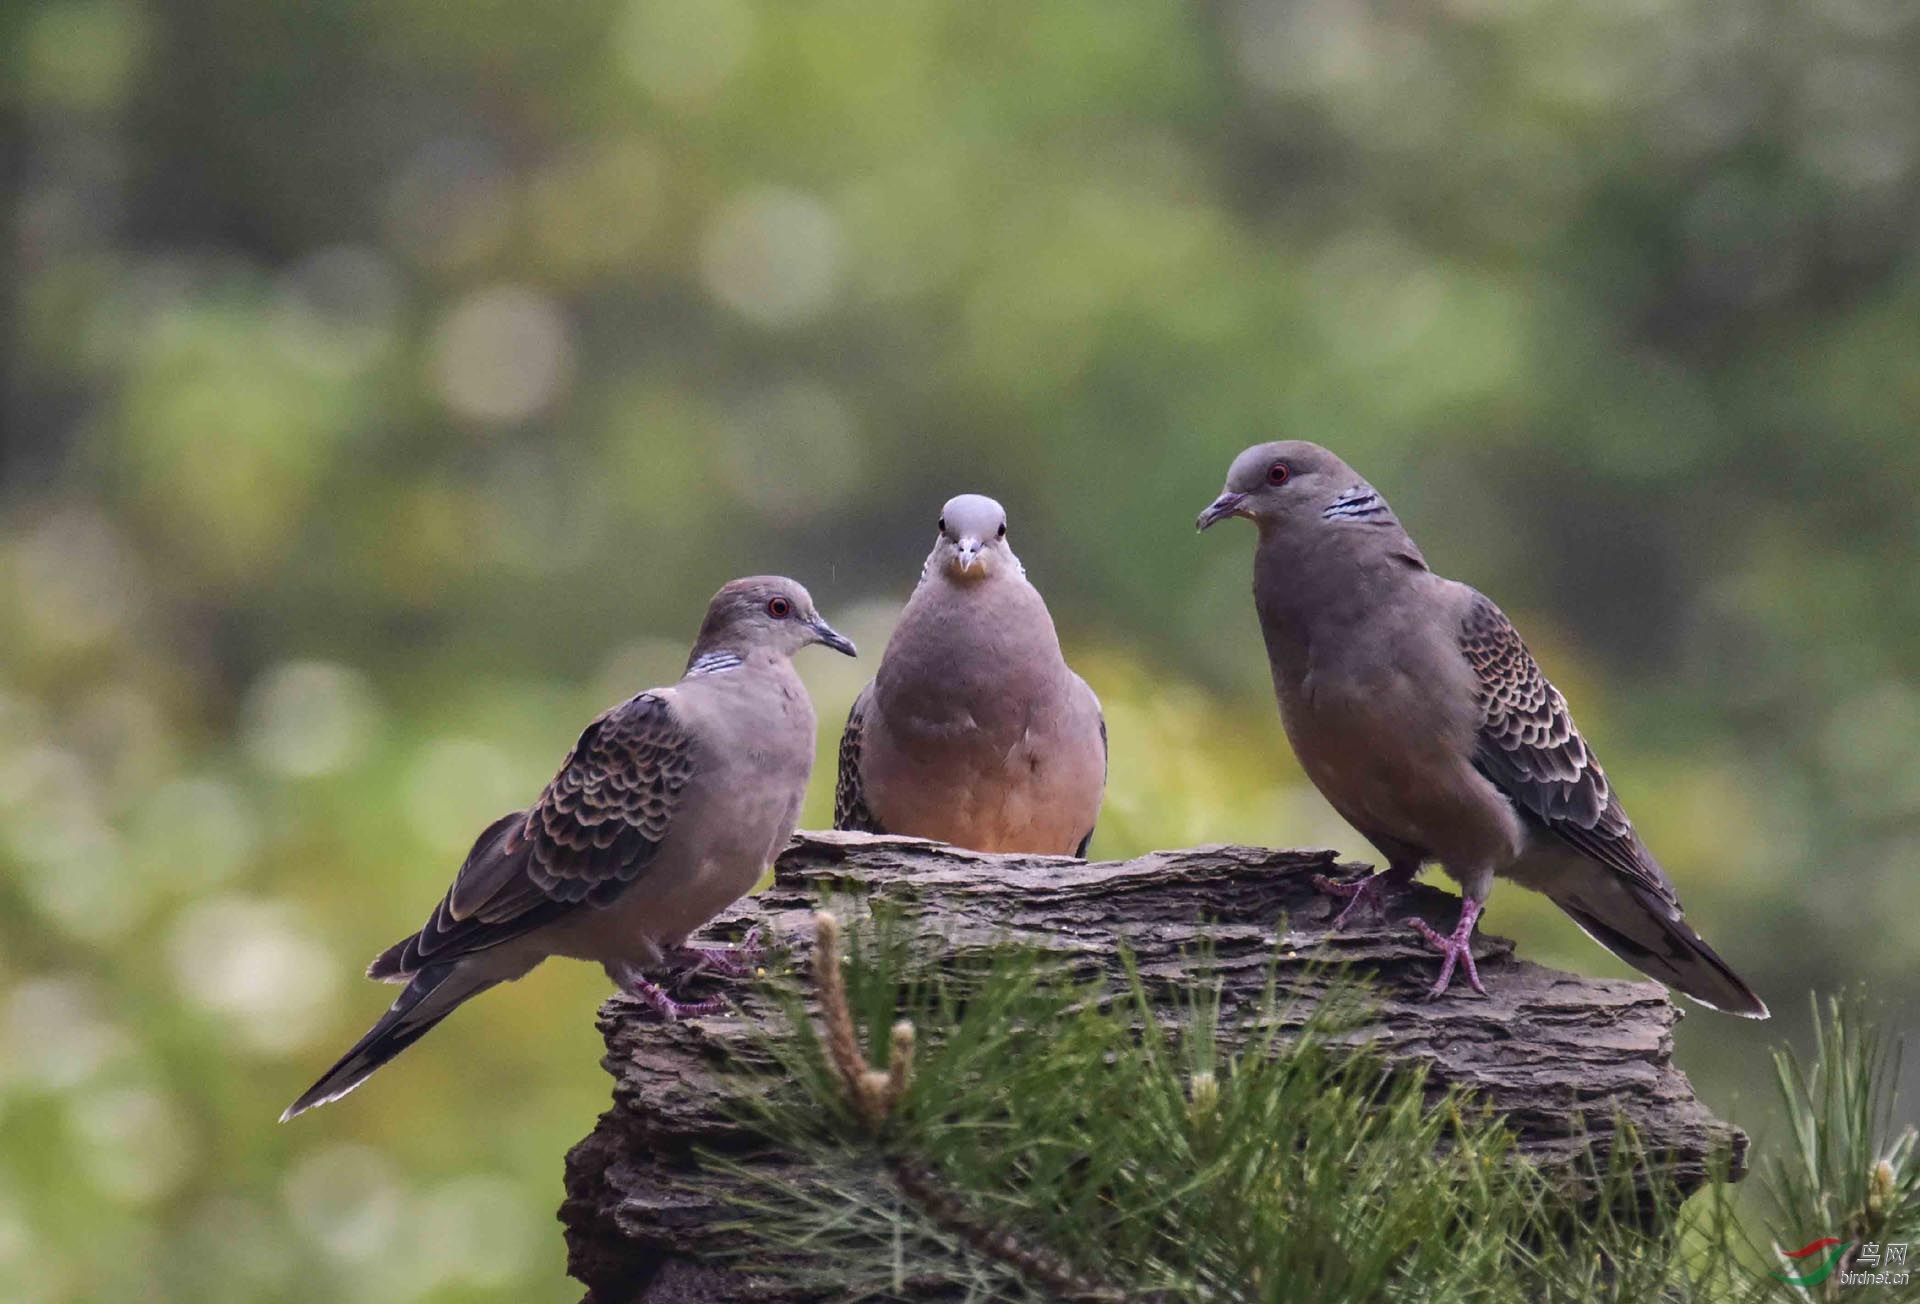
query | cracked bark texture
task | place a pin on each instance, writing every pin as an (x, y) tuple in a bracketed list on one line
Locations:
[(1564, 1058)]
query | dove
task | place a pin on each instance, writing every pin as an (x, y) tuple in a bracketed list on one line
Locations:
[(974, 731), (667, 810), (1419, 714)]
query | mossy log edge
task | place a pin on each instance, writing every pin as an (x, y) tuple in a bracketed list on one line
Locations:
[(1562, 1057)]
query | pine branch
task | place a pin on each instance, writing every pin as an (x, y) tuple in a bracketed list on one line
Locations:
[(1848, 1173), (872, 1094)]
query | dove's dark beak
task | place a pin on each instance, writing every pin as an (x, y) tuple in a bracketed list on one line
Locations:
[(833, 638), (1220, 509)]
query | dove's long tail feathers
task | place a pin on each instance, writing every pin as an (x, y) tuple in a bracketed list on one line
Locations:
[(1653, 938), (430, 996), (390, 965)]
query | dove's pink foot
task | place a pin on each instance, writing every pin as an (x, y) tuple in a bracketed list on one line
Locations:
[(630, 980), (656, 996), (1369, 894), (1455, 946), (733, 961)]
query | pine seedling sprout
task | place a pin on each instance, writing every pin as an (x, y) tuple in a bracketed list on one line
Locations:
[(873, 1094)]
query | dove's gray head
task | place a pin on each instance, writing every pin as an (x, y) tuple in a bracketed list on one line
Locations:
[(972, 543), (1293, 485), (762, 613)]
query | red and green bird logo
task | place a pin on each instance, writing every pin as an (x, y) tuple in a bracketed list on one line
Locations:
[(1819, 1272)]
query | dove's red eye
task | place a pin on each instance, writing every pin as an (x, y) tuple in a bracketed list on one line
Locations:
[(1278, 473), (779, 608)]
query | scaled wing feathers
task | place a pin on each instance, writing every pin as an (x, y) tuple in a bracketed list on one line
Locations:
[(594, 831), (849, 793), (1530, 748)]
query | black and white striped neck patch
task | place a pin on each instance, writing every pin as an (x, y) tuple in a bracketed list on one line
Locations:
[(712, 663), (1356, 504)]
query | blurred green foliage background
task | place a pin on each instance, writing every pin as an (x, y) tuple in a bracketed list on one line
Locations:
[(386, 387)]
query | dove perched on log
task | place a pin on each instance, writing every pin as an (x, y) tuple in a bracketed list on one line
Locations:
[(974, 730), (667, 810), (1419, 714)]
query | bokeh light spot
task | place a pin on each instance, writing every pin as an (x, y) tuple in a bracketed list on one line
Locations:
[(684, 54), (774, 256), (77, 584), (346, 1200), (455, 787), (502, 354), (54, 1034), (308, 718), (480, 1229), (257, 967), (134, 1142)]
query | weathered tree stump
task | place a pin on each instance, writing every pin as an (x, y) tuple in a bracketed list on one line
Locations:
[(1564, 1058)]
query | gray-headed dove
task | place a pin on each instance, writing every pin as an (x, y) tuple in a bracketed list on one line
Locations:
[(974, 730), (1417, 711), (667, 810)]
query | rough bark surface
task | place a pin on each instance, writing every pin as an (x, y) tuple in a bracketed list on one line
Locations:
[(1562, 1057)]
